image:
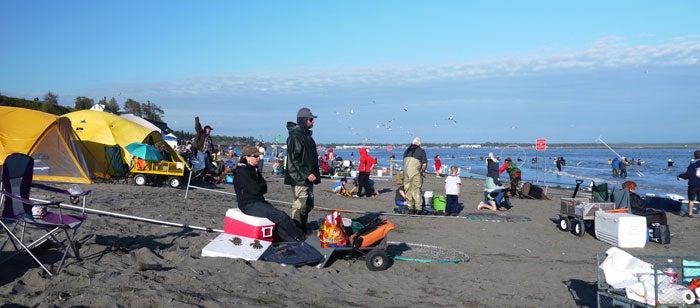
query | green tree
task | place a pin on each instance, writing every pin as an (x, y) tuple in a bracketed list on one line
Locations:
[(133, 107), (82, 103), (112, 105), (152, 112), (50, 104)]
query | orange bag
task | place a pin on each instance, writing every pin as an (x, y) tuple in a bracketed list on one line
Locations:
[(332, 232), (374, 232)]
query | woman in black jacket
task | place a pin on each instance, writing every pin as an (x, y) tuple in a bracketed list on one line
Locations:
[(250, 189)]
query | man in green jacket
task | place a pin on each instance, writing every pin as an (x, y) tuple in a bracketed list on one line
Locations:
[(301, 171), (415, 161)]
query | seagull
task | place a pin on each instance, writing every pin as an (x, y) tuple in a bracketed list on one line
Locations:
[(352, 110), (405, 108), (435, 125), (451, 118)]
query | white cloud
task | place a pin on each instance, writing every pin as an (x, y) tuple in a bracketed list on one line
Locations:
[(606, 53)]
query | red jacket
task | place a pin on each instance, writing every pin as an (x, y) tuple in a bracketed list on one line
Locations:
[(366, 162)]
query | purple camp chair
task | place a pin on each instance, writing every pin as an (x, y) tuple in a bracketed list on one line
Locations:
[(17, 214)]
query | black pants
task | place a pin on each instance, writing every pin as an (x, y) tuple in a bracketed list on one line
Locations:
[(286, 228), (363, 184)]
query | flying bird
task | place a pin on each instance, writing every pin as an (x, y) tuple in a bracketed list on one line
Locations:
[(451, 118)]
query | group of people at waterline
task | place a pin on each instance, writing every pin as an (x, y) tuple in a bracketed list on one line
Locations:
[(302, 173)]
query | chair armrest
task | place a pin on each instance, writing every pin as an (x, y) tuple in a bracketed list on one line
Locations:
[(30, 202)]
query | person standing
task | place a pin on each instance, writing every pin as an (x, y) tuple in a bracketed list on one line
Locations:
[(615, 164), (438, 165), (692, 174), (301, 168), (415, 162), (623, 167), (261, 161), (492, 167), (560, 162), (515, 176), (203, 144), (250, 189), (391, 164), (366, 164), (453, 185)]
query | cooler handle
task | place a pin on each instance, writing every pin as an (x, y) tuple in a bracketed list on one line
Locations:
[(267, 231)]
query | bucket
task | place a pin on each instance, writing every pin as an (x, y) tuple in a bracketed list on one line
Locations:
[(353, 173), (428, 196), (379, 172), (439, 202)]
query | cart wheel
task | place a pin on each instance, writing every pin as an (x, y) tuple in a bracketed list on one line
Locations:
[(174, 181), (139, 180), (377, 260), (564, 223), (578, 228)]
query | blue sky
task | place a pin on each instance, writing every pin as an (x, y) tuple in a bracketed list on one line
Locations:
[(373, 71)]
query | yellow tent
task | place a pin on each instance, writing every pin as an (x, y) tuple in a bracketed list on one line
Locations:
[(48, 139), (105, 135)]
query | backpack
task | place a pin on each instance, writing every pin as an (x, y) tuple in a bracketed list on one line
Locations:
[(373, 232)]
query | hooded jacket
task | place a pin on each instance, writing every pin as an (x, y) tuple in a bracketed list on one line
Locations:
[(302, 157), (692, 174), (250, 186), (366, 161)]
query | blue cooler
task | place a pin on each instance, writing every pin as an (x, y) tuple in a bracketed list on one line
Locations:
[(664, 204)]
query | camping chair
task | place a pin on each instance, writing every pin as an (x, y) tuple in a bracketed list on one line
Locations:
[(600, 192), (18, 212), (621, 198)]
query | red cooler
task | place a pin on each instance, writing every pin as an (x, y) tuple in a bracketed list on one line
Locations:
[(240, 224)]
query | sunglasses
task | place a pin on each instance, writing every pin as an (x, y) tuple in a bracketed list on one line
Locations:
[(311, 119), (256, 156)]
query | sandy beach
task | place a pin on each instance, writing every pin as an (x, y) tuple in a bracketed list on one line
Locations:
[(511, 264)]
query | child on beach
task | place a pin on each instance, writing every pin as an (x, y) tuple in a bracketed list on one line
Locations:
[(496, 197), (692, 174), (339, 188), (453, 185)]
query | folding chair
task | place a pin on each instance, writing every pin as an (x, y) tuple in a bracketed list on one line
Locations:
[(600, 192), (17, 212)]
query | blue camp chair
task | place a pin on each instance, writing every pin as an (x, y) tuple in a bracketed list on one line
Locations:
[(20, 213)]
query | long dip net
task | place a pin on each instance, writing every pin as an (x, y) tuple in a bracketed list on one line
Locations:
[(424, 253), (496, 217)]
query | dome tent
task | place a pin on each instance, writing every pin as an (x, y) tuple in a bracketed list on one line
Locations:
[(50, 140)]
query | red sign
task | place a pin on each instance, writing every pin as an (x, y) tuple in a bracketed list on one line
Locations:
[(540, 144)]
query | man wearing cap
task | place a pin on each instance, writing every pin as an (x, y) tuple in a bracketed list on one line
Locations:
[(301, 170), (415, 162), (250, 189), (203, 143)]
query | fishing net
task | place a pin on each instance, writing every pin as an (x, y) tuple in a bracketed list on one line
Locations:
[(424, 253), (496, 217)]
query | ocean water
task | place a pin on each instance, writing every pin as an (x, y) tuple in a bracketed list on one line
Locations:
[(652, 174)]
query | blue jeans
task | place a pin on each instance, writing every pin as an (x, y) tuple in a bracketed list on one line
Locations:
[(452, 206)]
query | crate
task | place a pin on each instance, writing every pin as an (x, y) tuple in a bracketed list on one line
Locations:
[(568, 205), (587, 210), (609, 297), (583, 207)]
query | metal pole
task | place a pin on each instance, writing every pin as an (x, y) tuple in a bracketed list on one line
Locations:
[(620, 157), (167, 223)]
